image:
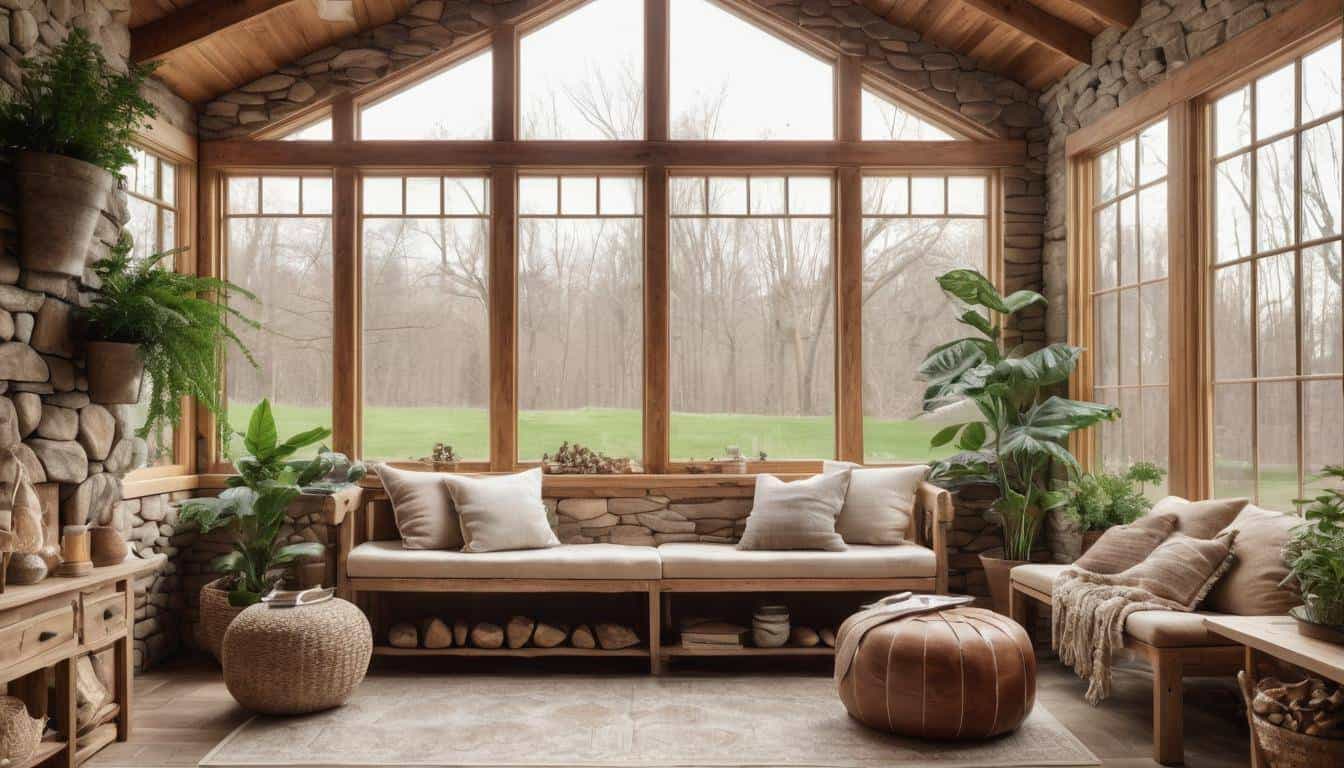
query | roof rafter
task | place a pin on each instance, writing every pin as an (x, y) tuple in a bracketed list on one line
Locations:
[(1121, 13), (1050, 31), (192, 23)]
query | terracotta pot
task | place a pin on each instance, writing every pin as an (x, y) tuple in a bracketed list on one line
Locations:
[(216, 615), (115, 372), (1090, 538), (996, 573), (60, 202), (109, 548)]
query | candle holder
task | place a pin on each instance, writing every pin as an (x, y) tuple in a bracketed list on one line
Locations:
[(76, 551)]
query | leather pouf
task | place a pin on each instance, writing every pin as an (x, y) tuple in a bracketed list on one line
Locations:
[(288, 661), (960, 673)]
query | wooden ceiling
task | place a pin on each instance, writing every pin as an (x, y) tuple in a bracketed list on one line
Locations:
[(209, 47)]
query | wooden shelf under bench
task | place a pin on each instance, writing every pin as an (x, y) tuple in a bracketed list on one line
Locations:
[(522, 653)]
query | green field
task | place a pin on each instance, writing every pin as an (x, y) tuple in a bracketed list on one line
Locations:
[(402, 433)]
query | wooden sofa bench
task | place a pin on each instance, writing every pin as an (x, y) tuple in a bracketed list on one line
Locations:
[(372, 564)]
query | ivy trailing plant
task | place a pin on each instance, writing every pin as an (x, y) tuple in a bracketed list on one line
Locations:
[(181, 323), (256, 501), (1021, 429), (1315, 553), (71, 102), (1101, 500)]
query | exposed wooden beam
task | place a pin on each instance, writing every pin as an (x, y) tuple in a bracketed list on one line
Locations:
[(194, 22), (1050, 31), (1118, 12)]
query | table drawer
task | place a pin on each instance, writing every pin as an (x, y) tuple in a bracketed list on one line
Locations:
[(38, 634), (104, 616)]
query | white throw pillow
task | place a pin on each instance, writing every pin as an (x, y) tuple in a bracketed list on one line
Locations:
[(423, 508), (501, 513), (797, 515), (880, 502)]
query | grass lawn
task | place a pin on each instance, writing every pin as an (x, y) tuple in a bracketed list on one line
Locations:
[(403, 433)]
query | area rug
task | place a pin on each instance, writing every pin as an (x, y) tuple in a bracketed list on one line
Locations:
[(643, 722)]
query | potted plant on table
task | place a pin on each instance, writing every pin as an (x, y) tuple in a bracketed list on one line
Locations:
[(71, 119), (255, 506), (1102, 500), (1315, 558), (1020, 431)]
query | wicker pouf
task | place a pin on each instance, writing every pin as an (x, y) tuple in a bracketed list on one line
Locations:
[(288, 661), (960, 673)]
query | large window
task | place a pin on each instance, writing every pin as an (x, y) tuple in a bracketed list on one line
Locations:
[(426, 315), (454, 103), (1129, 348), (752, 312), (886, 120), (1278, 363), (580, 322), (915, 228), (278, 246)]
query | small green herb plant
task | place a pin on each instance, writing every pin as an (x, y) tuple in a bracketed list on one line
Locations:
[(257, 498), (72, 103), (1315, 553), (1103, 499)]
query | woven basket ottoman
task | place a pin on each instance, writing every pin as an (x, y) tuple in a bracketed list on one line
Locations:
[(955, 674), (288, 661)]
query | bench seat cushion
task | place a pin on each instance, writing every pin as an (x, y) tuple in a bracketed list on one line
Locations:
[(859, 561), (1038, 576), (389, 560), (1172, 629)]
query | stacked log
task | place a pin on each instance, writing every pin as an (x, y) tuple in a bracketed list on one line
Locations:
[(519, 632)]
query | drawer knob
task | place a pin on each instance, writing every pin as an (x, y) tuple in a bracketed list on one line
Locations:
[(108, 613), (47, 635)]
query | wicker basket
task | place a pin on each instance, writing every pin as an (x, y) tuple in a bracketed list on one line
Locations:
[(1282, 748), (20, 733), (216, 615)]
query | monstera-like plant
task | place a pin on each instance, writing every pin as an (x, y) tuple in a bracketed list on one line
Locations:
[(1017, 433)]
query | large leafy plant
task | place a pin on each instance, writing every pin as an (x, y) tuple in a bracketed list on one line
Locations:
[(1104, 499), (1315, 553), (181, 323), (1021, 430), (255, 504), (72, 103)]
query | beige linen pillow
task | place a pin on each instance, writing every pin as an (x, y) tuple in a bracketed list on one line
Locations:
[(423, 508), (501, 513), (1183, 569), (1200, 519), (1125, 546), (797, 515), (879, 504), (1252, 585)]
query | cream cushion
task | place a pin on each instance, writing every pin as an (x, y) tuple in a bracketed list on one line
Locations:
[(1200, 519), (880, 502), (1038, 576), (423, 508), (861, 561), (501, 513), (1254, 585), (390, 560), (797, 515), (1172, 629)]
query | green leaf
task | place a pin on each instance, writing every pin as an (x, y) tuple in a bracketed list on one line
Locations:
[(1020, 300), (301, 440), (242, 597), (979, 322), (1040, 369), (231, 562), (291, 552), (945, 435), (973, 437), (261, 433), (973, 288)]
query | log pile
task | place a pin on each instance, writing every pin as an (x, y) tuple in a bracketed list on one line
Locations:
[(1312, 706), (519, 632)]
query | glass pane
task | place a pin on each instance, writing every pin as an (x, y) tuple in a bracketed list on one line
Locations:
[(1156, 342), (423, 196), (621, 196), (1276, 316), (1156, 434), (538, 195), (1153, 152), (927, 195), (168, 235), (1129, 240), (279, 194), (1131, 425), (1107, 176), (1108, 437), (966, 195), (1277, 436), (316, 195), (886, 195), (1232, 121), (752, 355), (580, 335), (687, 195), (167, 182), (426, 337), (581, 76), (1107, 322), (1232, 322), (1323, 440), (578, 195), (728, 195), (1320, 83), (1128, 156), (1153, 242), (1322, 305), (451, 105), (382, 195), (903, 257), (1107, 247), (143, 227), (733, 80), (244, 194), (1322, 170), (885, 120), (1275, 95), (286, 262), (465, 196), (318, 131), (810, 195), (1232, 209), (1130, 335), (146, 174), (1274, 174), (1232, 469), (767, 195)]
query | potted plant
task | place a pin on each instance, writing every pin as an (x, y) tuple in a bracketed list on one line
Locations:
[(1101, 500), (71, 121), (1020, 433), (255, 506), (147, 319), (1315, 558)]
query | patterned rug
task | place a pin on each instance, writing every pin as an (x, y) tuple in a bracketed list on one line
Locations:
[(643, 722)]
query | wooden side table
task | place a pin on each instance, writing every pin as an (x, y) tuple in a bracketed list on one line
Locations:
[(1277, 637)]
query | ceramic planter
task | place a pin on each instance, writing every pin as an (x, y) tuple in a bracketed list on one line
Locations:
[(115, 371), (996, 573), (60, 201)]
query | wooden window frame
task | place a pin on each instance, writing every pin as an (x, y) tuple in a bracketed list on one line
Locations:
[(504, 157), (1180, 99)]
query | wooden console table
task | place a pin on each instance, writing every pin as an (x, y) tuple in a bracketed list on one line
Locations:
[(49, 626), (1278, 638)]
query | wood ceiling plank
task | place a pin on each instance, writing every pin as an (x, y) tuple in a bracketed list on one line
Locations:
[(194, 22), (1050, 31), (1119, 12)]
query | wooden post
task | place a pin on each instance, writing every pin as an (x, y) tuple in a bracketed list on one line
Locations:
[(655, 629), (346, 337), (503, 321), (1168, 717), (124, 667), (64, 706), (656, 70), (657, 329)]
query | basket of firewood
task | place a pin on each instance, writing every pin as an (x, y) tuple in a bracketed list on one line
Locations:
[(1298, 724)]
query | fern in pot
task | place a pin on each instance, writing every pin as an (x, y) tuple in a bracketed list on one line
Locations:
[(1315, 558), (70, 123)]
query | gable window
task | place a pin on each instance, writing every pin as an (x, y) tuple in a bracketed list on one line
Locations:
[(454, 103), (319, 130), (887, 120)]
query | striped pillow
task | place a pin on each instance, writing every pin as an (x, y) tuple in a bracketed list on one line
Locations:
[(1183, 569)]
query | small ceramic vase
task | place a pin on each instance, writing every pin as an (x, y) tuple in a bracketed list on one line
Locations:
[(108, 548), (26, 568)]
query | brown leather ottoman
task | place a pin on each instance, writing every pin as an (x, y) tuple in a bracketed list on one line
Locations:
[(958, 673)]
